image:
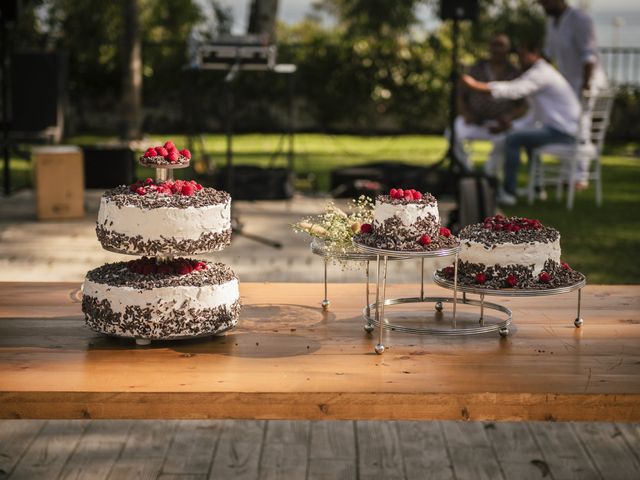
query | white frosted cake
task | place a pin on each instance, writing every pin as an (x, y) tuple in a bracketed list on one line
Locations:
[(406, 220), (511, 252), (170, 217), (150, 299)]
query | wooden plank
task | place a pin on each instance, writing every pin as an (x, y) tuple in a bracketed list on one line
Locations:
[(238, 453), (97, 450), (562, 451), (380, 453), (148, 439), (289, 360), (193, 447), (471, 452), (136, 469), (608, 449), (424, 450), (15, 438), (516, 450), (631, 434), (285, 452), (332, 451), (47, 455)]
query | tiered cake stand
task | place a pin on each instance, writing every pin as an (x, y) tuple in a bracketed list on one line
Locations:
[(162, 173), (319, 248), (451, 328), (511, 292)]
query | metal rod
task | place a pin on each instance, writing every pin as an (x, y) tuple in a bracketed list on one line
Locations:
[(161, 174), (482, 309), (368, 310), (384, 297), (455, 290), (325, 280), (377, 288), (422, 278), (579, 301)]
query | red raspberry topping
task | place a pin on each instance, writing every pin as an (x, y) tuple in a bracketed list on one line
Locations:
[(424, 240), (544, 277), (366, 228), (151, 266), (169, 145), (511, 281), (565, 266), (141, 191), (187, 189), (448, 272), (416, 195), (512, 224), (151, 152), (173, 156), (162, 151), (445, 232), (186, 153), (481, 278)]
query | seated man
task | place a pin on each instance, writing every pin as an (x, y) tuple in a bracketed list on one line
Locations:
[(482, 117), (555, 107)]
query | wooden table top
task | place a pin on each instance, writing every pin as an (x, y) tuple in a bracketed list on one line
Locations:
[(289, 359)]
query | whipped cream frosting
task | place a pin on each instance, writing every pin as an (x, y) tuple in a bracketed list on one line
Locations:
[(502, 254), (408, 214), (169, 298), (164, 222)]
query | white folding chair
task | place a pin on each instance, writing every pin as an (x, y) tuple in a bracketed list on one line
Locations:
[(597, 110)]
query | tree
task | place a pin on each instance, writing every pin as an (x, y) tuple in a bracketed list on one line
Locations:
[(131, 102), (262, 18)]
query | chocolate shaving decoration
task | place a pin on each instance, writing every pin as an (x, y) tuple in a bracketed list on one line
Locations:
[(388, 242), (155, 322), (497, 276), (123, 197), (207, 242), (427, 199), (393, 228), (489, 237), (118, 275), (162, 161)]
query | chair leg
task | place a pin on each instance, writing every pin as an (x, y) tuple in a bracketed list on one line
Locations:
[(572, 183), (533, 174), (598, 180)]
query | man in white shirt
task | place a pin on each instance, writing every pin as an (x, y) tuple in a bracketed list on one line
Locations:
[(555, 108), (570, 43)]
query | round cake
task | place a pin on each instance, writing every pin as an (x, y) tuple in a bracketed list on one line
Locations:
[(150, 299), (511, 252), (173, 217), (406, 220)]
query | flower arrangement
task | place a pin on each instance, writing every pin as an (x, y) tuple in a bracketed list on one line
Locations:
[(335, 228)]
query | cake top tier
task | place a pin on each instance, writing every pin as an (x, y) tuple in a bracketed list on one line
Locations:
[(148, 273), (399, 196), (148, 194), (500, 229), (166, 156)]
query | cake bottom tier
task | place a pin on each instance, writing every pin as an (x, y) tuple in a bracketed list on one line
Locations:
[(117, 301)]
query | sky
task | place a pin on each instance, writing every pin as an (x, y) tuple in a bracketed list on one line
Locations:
[(603, 12)]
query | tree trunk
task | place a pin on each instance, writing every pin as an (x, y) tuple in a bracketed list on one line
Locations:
[(262, 18), (131, 72)]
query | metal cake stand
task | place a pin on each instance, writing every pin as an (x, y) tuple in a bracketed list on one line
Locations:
[(319, 248), (513, 292), (452, 329)]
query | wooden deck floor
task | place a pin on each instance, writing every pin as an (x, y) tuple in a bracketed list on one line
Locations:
[(331, 450)]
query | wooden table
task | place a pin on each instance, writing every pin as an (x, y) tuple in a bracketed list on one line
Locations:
[(288, 359)]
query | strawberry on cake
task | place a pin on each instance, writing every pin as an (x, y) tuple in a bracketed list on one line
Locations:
[(406, 220), (511, 252), (161, 218)]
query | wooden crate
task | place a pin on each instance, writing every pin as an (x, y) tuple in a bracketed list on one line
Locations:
[(59, 182)]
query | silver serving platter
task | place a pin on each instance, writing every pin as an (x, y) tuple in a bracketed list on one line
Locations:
[(510, 292)]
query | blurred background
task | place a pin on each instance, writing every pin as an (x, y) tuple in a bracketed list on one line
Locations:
[(331, 86)]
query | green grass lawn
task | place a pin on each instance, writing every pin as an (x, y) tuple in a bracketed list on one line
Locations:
[(601, 242)]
